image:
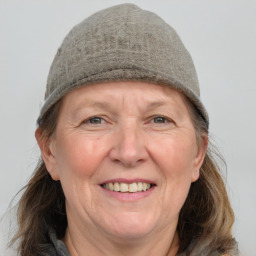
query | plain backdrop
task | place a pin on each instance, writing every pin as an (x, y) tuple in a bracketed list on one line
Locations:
[(221, 37)]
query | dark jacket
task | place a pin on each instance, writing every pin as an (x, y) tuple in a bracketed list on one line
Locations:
[(55, 247), (58, 248)]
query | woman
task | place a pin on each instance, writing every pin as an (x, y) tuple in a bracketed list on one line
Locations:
[(126, 167)]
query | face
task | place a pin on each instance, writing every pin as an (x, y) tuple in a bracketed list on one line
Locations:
[(126, 154)]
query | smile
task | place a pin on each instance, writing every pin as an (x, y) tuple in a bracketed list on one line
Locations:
[(126, 187)]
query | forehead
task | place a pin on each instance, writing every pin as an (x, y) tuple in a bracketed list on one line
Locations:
[(121, 92), (125, 99)]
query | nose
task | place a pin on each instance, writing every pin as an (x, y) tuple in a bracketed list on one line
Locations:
[(129, 148)]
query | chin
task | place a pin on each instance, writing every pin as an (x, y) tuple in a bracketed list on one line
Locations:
[(133, 225)]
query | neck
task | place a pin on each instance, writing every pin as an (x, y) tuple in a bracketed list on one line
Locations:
[(87, 244)]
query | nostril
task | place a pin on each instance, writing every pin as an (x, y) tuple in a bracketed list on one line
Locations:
[(128, 146)]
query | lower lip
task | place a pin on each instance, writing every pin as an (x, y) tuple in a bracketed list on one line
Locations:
[(129, 196)]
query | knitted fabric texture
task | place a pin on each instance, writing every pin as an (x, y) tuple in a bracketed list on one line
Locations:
[(122, 43)]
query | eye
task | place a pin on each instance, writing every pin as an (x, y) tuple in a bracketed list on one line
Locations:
[(95, 120), (160, 120)]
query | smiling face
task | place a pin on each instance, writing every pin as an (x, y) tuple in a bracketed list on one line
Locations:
[(126, 154)]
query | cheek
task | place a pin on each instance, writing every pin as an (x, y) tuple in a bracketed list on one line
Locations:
[(175, 161), (176, 157), (79, 156)]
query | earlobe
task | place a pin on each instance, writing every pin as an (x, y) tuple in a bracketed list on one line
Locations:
[(195, 175), (199, 159), (47, 152)]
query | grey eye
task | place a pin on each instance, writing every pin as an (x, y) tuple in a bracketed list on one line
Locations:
[(95, 120), (159, 119)]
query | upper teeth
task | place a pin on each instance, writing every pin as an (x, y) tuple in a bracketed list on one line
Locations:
[(125, 187)]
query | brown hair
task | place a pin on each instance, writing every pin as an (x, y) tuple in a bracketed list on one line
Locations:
[(206, 216)]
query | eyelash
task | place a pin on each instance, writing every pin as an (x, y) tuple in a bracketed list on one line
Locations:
[(163, 119), (153, 119), (91, 119)]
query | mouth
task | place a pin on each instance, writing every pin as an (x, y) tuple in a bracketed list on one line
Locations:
[(123, 187)]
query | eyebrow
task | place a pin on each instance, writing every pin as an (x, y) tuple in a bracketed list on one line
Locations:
[(155, 104), (109, 107), (99, 105)]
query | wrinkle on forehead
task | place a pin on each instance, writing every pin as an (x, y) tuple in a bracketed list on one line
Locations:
[(124, 96)]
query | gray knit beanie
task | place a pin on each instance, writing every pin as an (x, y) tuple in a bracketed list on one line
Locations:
[(122, 43)]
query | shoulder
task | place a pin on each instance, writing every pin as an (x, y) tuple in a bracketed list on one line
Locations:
[(55, 247), (205, 249)]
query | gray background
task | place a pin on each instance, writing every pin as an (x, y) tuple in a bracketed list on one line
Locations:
[(221, 37)]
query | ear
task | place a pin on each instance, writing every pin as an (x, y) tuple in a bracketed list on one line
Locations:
[(199, 158), (47, 148)]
